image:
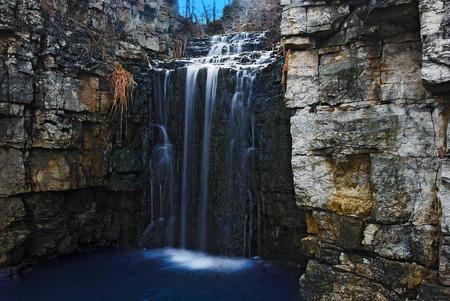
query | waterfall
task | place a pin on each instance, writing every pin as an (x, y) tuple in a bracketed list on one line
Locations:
[(215, 202), (191, 80), (210, 98), (162, 160)]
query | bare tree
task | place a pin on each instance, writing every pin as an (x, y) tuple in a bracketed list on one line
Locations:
[(206, 13)]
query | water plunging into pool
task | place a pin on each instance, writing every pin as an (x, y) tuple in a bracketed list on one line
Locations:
[(191, 80), (203, 176), (162, 177), (204, 194), (210, 98), (161, 275)]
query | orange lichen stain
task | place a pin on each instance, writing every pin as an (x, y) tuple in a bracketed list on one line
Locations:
[(311, 224), (415, 275), (88, 92), (52, 176), (351, 206), (353, 194)]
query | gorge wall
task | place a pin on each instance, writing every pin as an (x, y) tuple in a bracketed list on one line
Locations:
[(71, 173), (75, 176), (368, 86), (369, 81)]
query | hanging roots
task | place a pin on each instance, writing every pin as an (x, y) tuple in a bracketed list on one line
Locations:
[(122, 84)]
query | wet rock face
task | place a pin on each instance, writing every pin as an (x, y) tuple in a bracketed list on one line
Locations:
[(65, 178), (367, 80)]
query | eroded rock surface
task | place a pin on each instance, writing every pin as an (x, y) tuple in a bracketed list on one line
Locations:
[(63, 184), (369, 83)]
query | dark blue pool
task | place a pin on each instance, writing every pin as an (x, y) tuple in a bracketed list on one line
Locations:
[(156, 275)]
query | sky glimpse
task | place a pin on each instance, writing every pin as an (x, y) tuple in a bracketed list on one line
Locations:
[(199, 11)]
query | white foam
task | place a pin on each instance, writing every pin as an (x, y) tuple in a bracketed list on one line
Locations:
[(191, 260)]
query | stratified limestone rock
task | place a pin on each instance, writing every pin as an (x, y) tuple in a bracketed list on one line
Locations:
[(436, 53), (398, 130), (12, 210), (53, 171), (349, 75), (367, 278), (57, 132), (12, 131), (433, 292), (20, 79), (342, 186), (10, 241), (353, 195), (444, 197), (12, 172), (360, 72), (444, 260), (404, 242), (61, 92), (54, 129), (302, 80), (401, 277), (313, 180), (322, 282), (13, 230), (298, 43), (294, 20), (60, 223), (338, 230), (125, 161), (369, 142), (400, 71), (404, 189), (304, 17)]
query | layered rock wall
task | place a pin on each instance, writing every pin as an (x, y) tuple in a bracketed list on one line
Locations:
[(71, 173), (369, 83)]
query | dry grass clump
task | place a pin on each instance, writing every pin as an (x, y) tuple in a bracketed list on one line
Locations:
[(122, 85)]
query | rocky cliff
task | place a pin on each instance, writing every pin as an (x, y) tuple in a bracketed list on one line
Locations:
[(71, 172), (369, 81)]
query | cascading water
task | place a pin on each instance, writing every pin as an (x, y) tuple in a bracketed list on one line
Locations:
[(210, 99), (162, 161), (186, 192), (216, 122), (214, 204), (241, 149)]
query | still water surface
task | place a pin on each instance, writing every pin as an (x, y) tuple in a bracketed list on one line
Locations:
[(153, 275)]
